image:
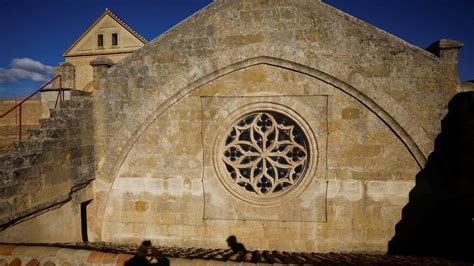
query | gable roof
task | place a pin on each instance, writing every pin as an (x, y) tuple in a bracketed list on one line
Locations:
[(117, 19)]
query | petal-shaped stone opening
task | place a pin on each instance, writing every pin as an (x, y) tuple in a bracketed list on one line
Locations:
[(265, 152)]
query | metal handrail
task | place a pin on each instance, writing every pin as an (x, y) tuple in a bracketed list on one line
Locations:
[(18, 105)]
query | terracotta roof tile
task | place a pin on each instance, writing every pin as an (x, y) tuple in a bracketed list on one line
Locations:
[(125, 25), (257, 256)]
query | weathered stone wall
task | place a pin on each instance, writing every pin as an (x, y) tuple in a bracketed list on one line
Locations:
[(352, 203), (83, 69), (68, 76), (382, 100), (45, 178), (50, 100), (31, 114)]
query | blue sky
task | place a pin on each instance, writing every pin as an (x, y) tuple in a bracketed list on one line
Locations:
[(36, 33)]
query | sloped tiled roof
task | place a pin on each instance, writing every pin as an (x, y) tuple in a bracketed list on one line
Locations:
[(116, 18), (258, 256)]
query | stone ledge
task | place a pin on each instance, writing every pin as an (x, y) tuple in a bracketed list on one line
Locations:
[(102, 61)]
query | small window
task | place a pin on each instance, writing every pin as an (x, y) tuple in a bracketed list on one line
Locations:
[(114, 39), (100, 40)]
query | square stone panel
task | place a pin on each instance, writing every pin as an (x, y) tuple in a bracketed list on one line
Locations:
[(230, 194)]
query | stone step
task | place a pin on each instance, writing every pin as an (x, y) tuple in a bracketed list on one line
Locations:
[(14, 160), (52, 123), (70, 104), (82, 101), (22, 147), (65, 113), (28, 146), (46, 133)]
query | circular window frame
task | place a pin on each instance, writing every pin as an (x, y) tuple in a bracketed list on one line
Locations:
[(267, 199)]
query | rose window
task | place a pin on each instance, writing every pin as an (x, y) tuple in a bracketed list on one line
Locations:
[(265, 152)]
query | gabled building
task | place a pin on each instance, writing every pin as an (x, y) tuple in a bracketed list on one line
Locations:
[(108, 36), (289, 125)]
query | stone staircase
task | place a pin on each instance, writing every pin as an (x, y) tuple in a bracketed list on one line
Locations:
[(56, 159)]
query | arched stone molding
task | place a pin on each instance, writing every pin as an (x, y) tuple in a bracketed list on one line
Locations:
[(392, 114)]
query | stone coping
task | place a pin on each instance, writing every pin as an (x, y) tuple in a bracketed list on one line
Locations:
[(117, 254)]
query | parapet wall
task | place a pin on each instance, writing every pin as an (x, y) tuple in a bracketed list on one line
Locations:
[(48, 171)]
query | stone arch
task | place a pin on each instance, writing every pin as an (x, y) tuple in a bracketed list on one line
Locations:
[(389, 120)]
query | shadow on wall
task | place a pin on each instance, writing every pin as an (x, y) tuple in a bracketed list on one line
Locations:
[(438, 219), (234, 245), (147, 255)]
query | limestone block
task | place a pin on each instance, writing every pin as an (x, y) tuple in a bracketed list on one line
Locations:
[(9, 189), (5, 208), (141, 206), (393, 191), (21, 202), (67, 72), (350, 190), (350, 113)]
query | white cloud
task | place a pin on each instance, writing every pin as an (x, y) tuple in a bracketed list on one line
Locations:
[(6, 76), (26, 68), (31, 65), (25, 74)]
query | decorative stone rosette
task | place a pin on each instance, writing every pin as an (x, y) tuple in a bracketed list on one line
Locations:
[(264, 153)]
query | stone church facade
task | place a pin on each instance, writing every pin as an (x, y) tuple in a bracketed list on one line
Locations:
[(288, 124)]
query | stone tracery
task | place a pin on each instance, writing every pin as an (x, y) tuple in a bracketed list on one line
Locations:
[(265, 152)]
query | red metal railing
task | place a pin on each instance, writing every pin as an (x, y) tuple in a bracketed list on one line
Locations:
[(18, 105)]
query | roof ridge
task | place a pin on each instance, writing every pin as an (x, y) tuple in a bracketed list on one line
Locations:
[(112, 14)]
